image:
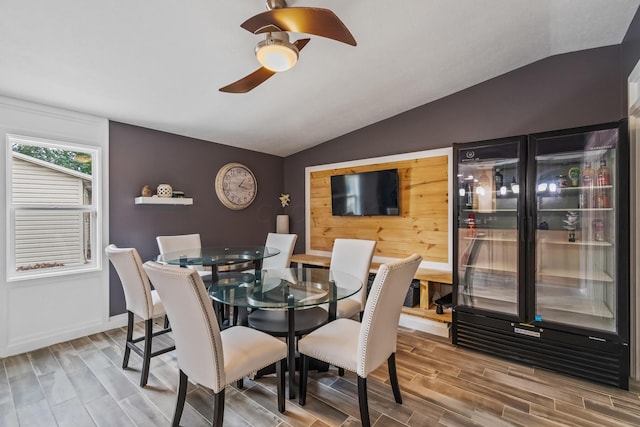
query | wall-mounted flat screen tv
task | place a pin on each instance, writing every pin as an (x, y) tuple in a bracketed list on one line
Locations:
[(365, 194)]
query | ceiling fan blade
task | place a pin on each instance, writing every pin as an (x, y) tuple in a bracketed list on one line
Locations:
[(249, 82), (301, 43), (309, 20), (258, 77)]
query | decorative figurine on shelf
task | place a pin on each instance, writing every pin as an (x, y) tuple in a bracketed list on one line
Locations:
[(164, 190), (284, 200), (146, 191), (572, 223)]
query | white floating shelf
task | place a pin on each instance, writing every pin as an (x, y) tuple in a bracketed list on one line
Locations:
[(164, 201)]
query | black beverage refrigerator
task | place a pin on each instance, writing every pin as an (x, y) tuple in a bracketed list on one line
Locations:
[(541, 250)]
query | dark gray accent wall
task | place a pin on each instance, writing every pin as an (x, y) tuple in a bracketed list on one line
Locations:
[(139, 156), (574, 89)]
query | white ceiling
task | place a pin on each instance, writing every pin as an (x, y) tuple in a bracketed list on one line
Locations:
[(159, 63)]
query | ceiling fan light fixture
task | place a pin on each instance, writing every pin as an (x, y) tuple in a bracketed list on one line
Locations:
[(275, 53)]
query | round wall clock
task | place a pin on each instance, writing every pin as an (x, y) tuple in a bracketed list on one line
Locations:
[(236, 186)]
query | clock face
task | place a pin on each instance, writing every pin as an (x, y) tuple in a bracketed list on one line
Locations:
[(236, 186)]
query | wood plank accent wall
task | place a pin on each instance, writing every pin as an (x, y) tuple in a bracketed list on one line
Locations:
[(422, 226)]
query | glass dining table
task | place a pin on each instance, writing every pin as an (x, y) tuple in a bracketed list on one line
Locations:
[(220, 258), (286, 301)]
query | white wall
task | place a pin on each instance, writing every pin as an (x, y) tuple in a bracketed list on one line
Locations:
[(39, 312)]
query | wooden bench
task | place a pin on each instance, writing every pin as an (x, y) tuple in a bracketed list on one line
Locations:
[(431, 281)]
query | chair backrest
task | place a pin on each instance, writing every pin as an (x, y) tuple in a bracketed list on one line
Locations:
[(353, 256), (135, 283), (379, 328), (193, 322), (284, 242), (168, 244)]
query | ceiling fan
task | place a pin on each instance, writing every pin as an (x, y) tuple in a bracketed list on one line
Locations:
[(276, 53)]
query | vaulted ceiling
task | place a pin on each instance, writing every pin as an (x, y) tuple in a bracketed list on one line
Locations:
[(159, 64)]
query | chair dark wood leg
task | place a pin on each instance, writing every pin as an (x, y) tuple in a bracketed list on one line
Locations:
[(341, 372), (146, 358), (127, 349), (235, 316), (226, 310), (304, 373), (166, 322), (281, 366), (291, 352), (393, 376), (218, 408), (182, 397), (240, 383), (364, 404)]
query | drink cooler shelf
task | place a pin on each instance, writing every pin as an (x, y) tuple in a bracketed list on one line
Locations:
[(576, 210), (491, 239), (512, 269), (572, 303), (577, 243)]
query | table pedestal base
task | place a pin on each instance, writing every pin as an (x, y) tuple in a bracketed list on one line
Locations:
[(289, 323)]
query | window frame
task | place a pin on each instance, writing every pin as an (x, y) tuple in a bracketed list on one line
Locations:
[(94, 209)]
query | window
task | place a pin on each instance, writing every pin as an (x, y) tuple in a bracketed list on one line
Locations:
[(53, 208)]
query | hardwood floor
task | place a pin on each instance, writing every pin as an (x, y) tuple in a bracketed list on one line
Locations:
[(80, 383)]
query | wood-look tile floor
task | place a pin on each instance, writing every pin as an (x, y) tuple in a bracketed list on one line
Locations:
[(80, 383)]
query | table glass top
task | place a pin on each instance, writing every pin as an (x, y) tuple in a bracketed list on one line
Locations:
[(284, 288), (218, 255)]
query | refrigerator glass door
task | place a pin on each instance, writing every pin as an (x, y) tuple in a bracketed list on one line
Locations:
[(488, 198), (575, 271)]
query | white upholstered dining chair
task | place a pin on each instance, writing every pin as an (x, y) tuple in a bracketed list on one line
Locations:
[(353, 256), (285, 243), (362, 347), (140, 301), (205, 355), (180, 242)]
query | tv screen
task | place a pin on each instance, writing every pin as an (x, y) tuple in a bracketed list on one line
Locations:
[(365, 194)]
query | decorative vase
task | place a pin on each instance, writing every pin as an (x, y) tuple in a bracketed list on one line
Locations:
[(282, 224), (164, 190)]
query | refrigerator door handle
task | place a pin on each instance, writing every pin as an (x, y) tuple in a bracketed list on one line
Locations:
[(530, 229)]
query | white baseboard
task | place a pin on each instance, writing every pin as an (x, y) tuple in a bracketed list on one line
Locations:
[(421, 324), (118, 321)]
